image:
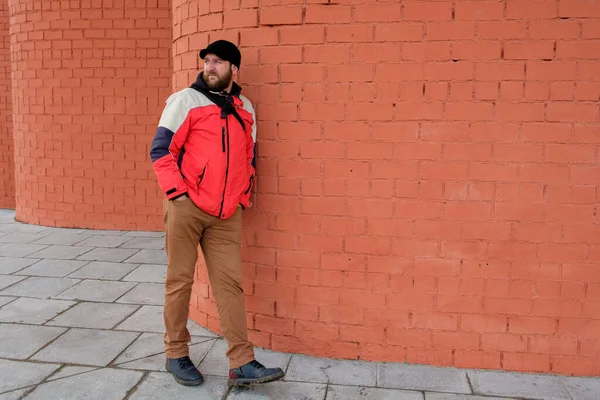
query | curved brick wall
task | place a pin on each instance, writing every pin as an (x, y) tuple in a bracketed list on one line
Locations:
[(89, 82), (428, 178), (7, 166)]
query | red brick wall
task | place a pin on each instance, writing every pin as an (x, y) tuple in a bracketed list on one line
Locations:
[(7, 167), (91, 80), (428, 177)]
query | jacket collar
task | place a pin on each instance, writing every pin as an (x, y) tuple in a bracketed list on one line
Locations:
[(199, 83)]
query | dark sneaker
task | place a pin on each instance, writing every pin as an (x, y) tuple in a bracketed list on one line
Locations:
[(184, 371), (253, 372)]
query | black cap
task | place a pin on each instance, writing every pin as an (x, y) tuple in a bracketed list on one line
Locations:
[(225, 50)]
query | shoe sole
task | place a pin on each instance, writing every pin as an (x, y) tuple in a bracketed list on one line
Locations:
[(250, 382), (182, 382)]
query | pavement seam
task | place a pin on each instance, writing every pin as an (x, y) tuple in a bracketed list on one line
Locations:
[(469, 383), (128, 316), (132, 390), (46, 345), (125, 349), (151, 355), (124, 294)]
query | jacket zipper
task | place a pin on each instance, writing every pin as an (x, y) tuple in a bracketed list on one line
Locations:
[(223, 138), (227, 169), (249, 185)]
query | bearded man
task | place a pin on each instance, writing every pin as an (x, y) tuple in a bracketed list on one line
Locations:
[(203, 158)]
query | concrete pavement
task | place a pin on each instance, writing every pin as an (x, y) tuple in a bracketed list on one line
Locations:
[(81, 318)]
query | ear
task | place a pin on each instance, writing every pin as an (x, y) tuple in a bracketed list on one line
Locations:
[(234, 69)]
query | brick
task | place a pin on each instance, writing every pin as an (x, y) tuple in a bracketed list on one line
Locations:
[(276, 55), (577, 49), (501, 70), (469, 111), (362, 334), (330, 14), (568, 153), (531, 9), (532, 325), (477, 10), (302, 73), (527, 362), (377, 13), (426, 51), (239, 19), (397, 31), (428, 11), (502, 30), (461, 70), (350, 33), (503, 342), (419, 355), (377, 352), (537, 50), (572, 112), (377, 52), (325, 332), (341, 315), (477, 359), (454, 30), (285, 15), (302, 35), (578, 8), (556, 29), (476, 51), (456, 340), (274, 325), (408, 337)]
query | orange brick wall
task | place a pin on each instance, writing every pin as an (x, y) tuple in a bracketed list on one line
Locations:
[(428, 176), (7, 167), (91, 78)]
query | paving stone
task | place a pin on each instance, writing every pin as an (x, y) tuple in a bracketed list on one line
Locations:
[(20, 374), (22, 237), (450, 396), (104, 270), (106, 232), (145, 243), (62, 238), (25, 228), (93, 290), (145, 234), (155, 273), (281, 390), (336, 392), (66, 231), (146, 319), (33, 311), (583, 388), (108, 254), (39, 288), (22, 341), (93, 315), (507, 384), (150, 319), (149, 257), (145, 293), (86, 347), (6, 299), (70, 371), (9, 265), (14, 395), (323, 370), (148, 352), (8, 280), (216, 363), (421, 377), (160, 386), (52, 268), (19, 250), (104, 241), (100, 384), (62, 252)]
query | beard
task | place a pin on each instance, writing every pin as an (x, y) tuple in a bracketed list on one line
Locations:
[(220, 83)]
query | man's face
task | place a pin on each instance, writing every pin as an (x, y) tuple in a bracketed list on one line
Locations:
[(217, 73)]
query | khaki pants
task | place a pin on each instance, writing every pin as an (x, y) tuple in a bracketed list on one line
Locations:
[(220, 240)]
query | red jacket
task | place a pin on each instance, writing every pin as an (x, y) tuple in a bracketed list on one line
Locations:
[(199, 151)]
